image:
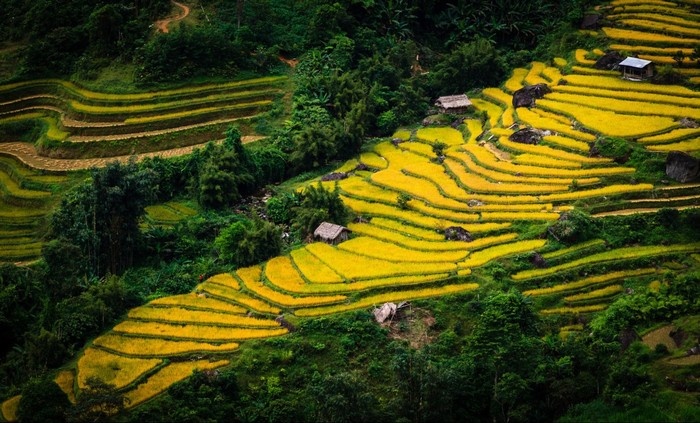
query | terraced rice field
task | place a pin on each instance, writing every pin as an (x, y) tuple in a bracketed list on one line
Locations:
[(486, 184)]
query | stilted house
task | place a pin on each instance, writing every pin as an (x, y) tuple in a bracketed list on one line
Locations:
[(636, 69), (454, 104), (331, 233)]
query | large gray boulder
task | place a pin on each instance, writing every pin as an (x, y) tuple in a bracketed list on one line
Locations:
[(526, 96), (682, 166), (528, 136), (609, 60)]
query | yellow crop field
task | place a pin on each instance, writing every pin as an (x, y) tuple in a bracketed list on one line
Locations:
[(498, 95), (402, 134), (603, 94), (515, 82), (383, 250), (670, 136), (373, 160), (690, 145), (609, 122), (574, 248), (364, 189), (391, 282), (631, 107), (156, 347), (580, 56), (194, 332), (597, 192), (487, 159), (534, 75), (667, 51), (65, 379), (238, 297), (196, 112), (199, 302), (560, 62), (543, 150), (400, 239), (566, 142), (647, 37), (375, 300), (494, 111), (413, 231), (583, 70), (479, 258), (476, 183), (285, 300), (419, 147), (282, 274), (508, 117), (541, 122), (624, 253), (475, 129), (225, 279), (553, 75), (111, 368), (167, 376), (449, 136), (509, 216), (416, 187), (313, 269), (183, 315), (397, 158), (595, 294), (545, 114), (616, 83), (665, 27), (438, 176), (575, 310), (545, 161), (354, 266)]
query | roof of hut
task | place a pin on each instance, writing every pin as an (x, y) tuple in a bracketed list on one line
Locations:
[(453, 101), (329, 230), (635, 62)]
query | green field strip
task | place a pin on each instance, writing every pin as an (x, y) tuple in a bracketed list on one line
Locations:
[(627, 212), (10, 187), (689, 145), (225, 293), (665, 200), (377, 300), (185, 316), (114, 369), (575, 310), (194, 332), (573, 249), (584, 70), (133, 346), (619, 254), (597, 294), (10, 407), (199, 112)]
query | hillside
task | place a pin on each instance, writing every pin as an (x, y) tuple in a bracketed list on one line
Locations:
[(583, 226)]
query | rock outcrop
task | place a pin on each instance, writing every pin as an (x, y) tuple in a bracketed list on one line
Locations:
[(609, 60), (457, 233), (528, 136), (526, 96), (682, 167)]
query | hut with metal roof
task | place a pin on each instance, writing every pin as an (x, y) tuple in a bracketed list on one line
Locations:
[(331, 233), (454, 104), (636, 69)]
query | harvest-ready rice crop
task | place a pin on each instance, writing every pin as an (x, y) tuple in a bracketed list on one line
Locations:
[(354, 266), (580, 55), (549, 115), (624, 253), (498, 95), (508, 118), (438, 176), (567, 142), (553, 75), (65, 379), (551, 152), (616, 83), (156, 347), (671, 136), (376, 248), (197, 112), (199, 302), (447, 135), (592, 71), (419, 147), (573, 249), (411, 230), (479, 258), (194, 332), (238, 297), (595, 294), (313, 269), (225, 279), (515, 82), (609, 122), (633, 107), (397, 158), (282, 274), (168, 376), (494, 111), (364, 189), (476, 183), (372, 159), (392, 281), (475, 129), (111, 368), (403, 134), (690, 145), (286, 300), (10, 407), (408, 216), (668, 51), (665, 27), (374, 300), (510, 216), (416, 187), (575, 310), (399, 239), (597, 192), (647, 37), (183, 315), (627, 95), (560, 62), (544, 122), (534, 75), (545, 161)]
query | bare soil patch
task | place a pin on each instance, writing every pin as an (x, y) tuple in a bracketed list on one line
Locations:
[(162, 25)]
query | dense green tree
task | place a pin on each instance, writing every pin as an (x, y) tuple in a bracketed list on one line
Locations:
[(317, 205), (42, 401), (97, 402), (248, 242)]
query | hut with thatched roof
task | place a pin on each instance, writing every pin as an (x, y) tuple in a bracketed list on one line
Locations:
[(331, 233), (454, 104)]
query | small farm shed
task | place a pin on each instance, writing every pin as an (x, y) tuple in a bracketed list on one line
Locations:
[(455, 104), (636, 69), (331, 233)]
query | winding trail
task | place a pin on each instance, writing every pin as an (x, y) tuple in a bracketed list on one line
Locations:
[(162, 25), (27, 154)]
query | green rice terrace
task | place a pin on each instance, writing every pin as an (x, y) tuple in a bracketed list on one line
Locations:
[(599, 139)]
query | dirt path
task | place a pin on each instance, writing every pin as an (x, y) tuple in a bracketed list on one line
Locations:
[(162, 25), (26, 153), (292, 63)]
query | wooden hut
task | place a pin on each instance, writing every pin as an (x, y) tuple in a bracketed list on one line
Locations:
[(331, 233), (636, 69), (454, 104)]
